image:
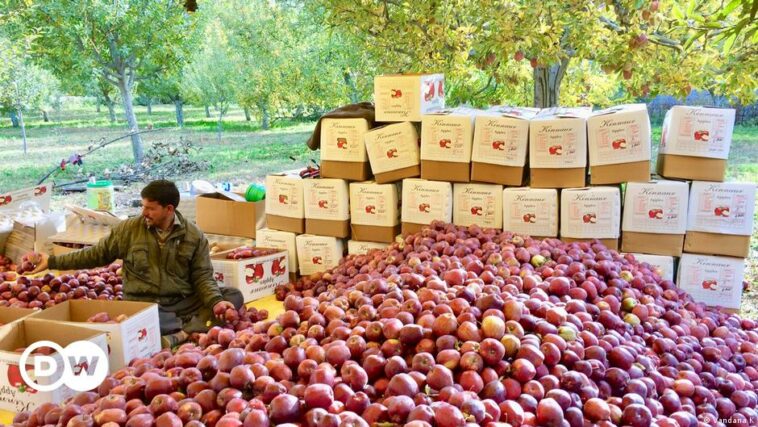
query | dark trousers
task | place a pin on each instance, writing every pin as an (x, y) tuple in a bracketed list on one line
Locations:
[(190, 315)]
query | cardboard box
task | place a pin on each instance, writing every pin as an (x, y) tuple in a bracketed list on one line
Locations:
[(355, 247), (285, 240), (229, 214), (343, 151), (11, 315), (255, 277), (720, 218), (137, 336), (424, 202), (695, 143), (618, 139), (393, 152), (591, 213), (446, 137), (84, 228), (501, 139), (375, 211), (15, 394), (558, 148), (655, 217), (480, 204), (662, 265), (405, 97), (317, 254), (218, 243), (285, 203), (327, 207), (531, 211), (713, 280), (32, 234), (38, 196)]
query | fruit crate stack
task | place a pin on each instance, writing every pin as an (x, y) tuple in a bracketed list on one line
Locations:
[(558, 172)]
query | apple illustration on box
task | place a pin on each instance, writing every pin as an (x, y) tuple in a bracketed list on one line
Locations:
[(392, 153), (441, 88), (655, 213), (17, 381), (283, 199), (253, 273), (589, 218), (142, 334), (476, 210), (619, 144), (555, 150), (4, 200), (424, 207), (721, 211), (429, 95), (530, 218), (498, 145), (702, 135), (38, 191), (370, 209), (323, 204), (711, 285), (396, 93), (316, 260), (342, 143), (445, 143), (277, 267), (219, 277)]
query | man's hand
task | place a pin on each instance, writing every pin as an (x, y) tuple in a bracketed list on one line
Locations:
[(40, 260), (220, 309)]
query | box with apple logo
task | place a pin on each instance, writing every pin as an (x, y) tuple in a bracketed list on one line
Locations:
[(558, 148), (285, 240), (425, 201), (317, 254), (660, 264), (446, 137), (655, 217), (531, 211), (619, 144), (591, 213), (285, 203), (501, 140), (375, 211), (479, 204), (15, 393), (134, 330), (695, 143), (255, 271), (713, 280), (393, 151), (405, 97), (343, 151), (355, 247), (327, 207), (720, 218)]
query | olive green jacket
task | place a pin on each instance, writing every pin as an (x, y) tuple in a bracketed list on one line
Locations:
[(180, 270)]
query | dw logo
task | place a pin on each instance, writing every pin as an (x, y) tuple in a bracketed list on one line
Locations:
[(85, 366)]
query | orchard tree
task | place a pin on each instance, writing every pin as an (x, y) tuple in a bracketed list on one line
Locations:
[(649, 46), (124, 41)]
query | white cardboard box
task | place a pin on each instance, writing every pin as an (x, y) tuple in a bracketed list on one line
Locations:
[(38, 196), (558, 138), (697, 132), (658, 207), (405, 97), (285, 203), (327, 199), (354, 247), (591, 213), (663, 265), (393, 151), (317, 254), (137, 336), (255, 277), (724, 208), (375, 204), (712, 280), (342, 140), (480, 204), (619, 134), (446, 135), (425, 201), (532, 211), (501, 136), (276, 239)]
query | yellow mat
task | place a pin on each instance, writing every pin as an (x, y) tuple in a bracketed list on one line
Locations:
[(269, 303)]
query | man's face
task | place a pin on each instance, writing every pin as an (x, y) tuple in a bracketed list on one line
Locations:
[(154, 213)]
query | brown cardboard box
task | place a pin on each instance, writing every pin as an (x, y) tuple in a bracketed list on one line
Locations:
[(622, 172), (410, 228), (433, 170), (609, 243), (652, 243), (694, 168), (229, 214), (373, 233), (557, 178), (285, 223), (324, 227), (352, 171), (397, 175), (699, 242), (10, 315), (497, 174)]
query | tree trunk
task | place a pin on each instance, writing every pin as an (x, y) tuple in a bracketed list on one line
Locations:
[(97, 105), (247, 114), (207, 112), (23, 127), (218, 124), (14, 118), (126, 94), (149, 106), (350, 82), (111, 109), (265, 116), (45, 118), (179, 106), (547, 84)]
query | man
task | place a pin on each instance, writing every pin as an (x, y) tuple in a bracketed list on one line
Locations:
[(166, 261)]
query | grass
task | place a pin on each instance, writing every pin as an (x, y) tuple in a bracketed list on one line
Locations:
[(244, 154)]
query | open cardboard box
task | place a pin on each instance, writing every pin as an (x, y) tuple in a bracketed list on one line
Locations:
[(11, 315), (137, 336), (15, 394), (228, 213), (84, 228), (255, 277)]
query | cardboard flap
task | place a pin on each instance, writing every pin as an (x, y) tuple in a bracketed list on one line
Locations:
[(93, 217), (524, 113), (224, 195), (565, 112)]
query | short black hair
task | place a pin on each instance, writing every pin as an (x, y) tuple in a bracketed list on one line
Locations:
[(162, 191)]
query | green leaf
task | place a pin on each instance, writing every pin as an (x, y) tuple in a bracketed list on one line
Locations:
[(691, 8), (638, 5), (729, 43), (676, 11), (730, 7)]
